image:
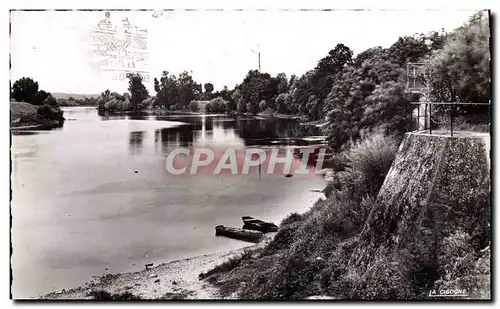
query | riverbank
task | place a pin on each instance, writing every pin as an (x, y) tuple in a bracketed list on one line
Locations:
[(25, 116), (173, 280)]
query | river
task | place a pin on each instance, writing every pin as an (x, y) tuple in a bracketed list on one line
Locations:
[(94, 196)]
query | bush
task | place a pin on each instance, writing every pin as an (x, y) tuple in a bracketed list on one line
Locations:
[(461, 268), (106, 296), (193, 106), (367, 163), (262, 105), (217, 105), (48, 112)]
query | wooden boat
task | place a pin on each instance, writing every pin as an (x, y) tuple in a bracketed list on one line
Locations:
[(251, 223), (237, 233)]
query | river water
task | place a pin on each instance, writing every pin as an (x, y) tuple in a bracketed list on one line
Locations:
[(80, 209)]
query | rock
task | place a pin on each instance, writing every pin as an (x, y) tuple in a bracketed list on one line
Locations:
[(153, 276), (157, 280), (137, 278), (319, 258), (149, 265), (136, 171), (174, 282), (320, 297), (106, 268), (137, 284), (243, 284)]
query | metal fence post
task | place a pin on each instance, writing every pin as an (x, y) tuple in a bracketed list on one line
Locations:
[(451, 119), (418, 117), (430, 118)]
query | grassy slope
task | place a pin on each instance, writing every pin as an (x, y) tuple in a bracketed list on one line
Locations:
[(24, 114)]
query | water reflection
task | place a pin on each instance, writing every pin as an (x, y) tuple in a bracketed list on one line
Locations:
[(136, 141), (79, 206), (200, 130)]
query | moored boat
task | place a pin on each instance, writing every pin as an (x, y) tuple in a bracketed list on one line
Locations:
[(237, 233), (251, 223)]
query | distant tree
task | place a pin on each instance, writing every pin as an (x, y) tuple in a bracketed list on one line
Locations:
[(118, 96), (24, 89), (209, 87), (216, 105), (262, 105), (193, 106), (408, 49), (188, 90), (256, 87), (39, 97), (282, 83), (138, 92), (50, 100), (167, 93)]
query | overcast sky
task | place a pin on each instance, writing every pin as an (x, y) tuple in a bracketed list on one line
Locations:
[(52, 47)]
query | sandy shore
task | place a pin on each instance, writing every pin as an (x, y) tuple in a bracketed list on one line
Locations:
[(172, 280)]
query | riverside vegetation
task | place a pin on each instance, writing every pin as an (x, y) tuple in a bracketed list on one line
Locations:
[(345, 247), (30, 106), (335, 248)]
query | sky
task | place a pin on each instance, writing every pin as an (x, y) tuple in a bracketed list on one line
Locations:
[(53, 47)]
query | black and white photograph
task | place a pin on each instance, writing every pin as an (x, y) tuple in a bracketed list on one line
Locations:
[(178, 154)]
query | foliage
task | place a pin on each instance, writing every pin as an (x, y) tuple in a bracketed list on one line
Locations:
[(209, 88), (367, 163), (39, 97), (50, 100), (138, 92), (24, 90), (193, 106), (50, 112), (216, 105), (102, 295), (176, 92), (460, 71)]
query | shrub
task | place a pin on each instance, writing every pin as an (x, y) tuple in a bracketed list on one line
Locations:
[(461, 268), (216, 105), (193, 106), (106, 296), (262, 105), (49, 112), (228, 265), (368, 162)]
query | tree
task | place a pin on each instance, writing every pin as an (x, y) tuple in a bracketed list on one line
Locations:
[(50, 100), (262, 105), (188, 90), (325, 75), (461, 70), (39, 97), (256, 87), (282, 83), (208, 91), (138, 91), (167, 93), (24, 89), (408, 49)]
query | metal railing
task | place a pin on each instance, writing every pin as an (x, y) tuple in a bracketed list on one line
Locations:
[(428, 115)]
